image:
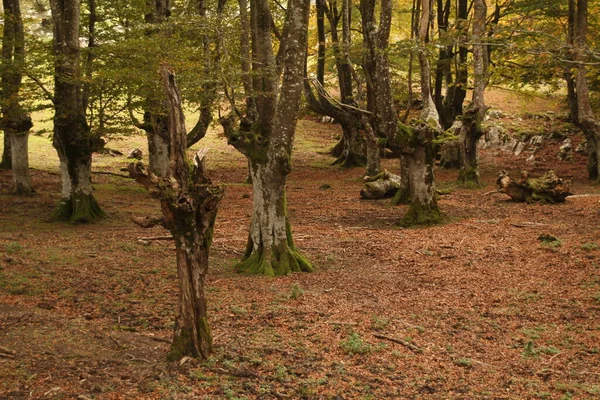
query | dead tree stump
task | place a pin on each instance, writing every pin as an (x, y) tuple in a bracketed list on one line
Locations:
[(189, 204)]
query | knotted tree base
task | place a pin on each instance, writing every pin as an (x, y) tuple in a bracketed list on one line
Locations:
[(278, 260), (80, 208)]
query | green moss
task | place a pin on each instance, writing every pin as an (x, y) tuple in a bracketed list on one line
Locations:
[(421, 215), (181, 346), (469, 178), (401, 197)]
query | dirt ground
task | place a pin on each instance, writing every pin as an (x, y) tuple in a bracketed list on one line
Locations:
[(476, 308)]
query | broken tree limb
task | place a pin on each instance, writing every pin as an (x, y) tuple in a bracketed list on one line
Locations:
[(549, 188)]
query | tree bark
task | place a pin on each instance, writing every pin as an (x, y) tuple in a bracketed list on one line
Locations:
[(71, 131), (586, 119), (189, 204), (266, 139), (15, 121), (418, 150), (457, 89), (6, 160), (155, 123), (474, 115)]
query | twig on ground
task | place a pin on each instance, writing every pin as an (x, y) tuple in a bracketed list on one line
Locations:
[(404, 343), (342, 323), (134, 358), (156, 238), (7, 351)]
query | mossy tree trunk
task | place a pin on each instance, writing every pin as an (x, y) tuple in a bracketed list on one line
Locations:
[(189, 206), (418, 150), (265, 136), (72, 138), (419, 156), (474, 115), (15, 121)]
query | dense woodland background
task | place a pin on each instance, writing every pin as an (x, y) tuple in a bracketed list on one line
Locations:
[(354, 150)]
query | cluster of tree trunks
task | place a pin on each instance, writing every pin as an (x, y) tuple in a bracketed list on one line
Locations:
[(189, 205), (548, 188)]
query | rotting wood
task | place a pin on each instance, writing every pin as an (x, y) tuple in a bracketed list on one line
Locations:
[(549, 188)]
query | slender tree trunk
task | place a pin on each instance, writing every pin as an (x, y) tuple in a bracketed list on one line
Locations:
[(473, 117), (71, 131), (15, 121)]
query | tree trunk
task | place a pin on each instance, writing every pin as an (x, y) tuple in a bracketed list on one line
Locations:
[(266, 138), (155, 122), (6, 161), (189, 205), (20, 163), (71, 131), (587, 120), (419, 157), (457, 90), (15, 121), (474, 115), (418, 151)]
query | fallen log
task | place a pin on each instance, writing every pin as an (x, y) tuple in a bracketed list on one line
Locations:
[(549, 188), (382, 185)]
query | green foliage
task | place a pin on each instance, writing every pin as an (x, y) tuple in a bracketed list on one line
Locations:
[(354, 344), (463, 362), (296, 292), (13, 247)]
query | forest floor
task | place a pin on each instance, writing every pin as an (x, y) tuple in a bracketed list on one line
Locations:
[(475, 308)]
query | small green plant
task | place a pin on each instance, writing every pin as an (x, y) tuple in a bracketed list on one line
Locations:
[(296, 291), (354, 344), (379, 324), (590, 246), (463, 362), (13, 247), (596, 297), (531, 351), (549, 241), (237, 310)]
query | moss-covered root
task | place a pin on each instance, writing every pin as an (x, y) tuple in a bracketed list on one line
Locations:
[(183, 345), (419, 214), (80, 208), (350, 160), (275, 262)]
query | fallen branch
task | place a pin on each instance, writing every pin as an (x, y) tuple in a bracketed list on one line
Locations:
[(156, 238), (526, 224), (7, 351), (111, 173), (548, 188), (148, 222), (404, 343), (342, 323)]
